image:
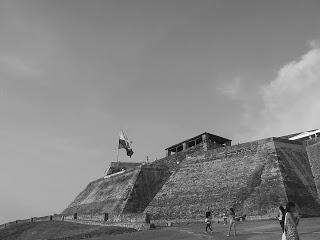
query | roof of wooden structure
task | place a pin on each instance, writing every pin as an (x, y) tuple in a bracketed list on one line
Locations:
[(212, 137)]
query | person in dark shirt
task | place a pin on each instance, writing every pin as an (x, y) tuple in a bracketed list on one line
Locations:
[(208, 219), (208, 213)]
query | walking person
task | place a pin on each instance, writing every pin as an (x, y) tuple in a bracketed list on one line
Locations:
[(208, 219), (232, 221), (208, 224), (225, 218), (281, 217), (291, 222)]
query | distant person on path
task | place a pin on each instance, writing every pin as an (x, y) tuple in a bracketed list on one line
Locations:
[(232, 221), (291, 222), (281, 217), (208, 219), (225, 218)]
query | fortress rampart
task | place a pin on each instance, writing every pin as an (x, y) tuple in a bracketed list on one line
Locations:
[(254, 178)]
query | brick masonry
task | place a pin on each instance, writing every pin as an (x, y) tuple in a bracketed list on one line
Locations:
[(297, 177), (313, 151), (147, 185), (104, 195), (130, 191)]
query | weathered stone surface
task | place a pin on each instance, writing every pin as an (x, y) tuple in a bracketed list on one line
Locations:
[(104, 195), (249, 177), (147, 185), (313, 151), (130, 191), (244, 176), (297, 177)]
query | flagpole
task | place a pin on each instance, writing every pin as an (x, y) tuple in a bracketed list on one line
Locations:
[(118, 154), (118, 147)]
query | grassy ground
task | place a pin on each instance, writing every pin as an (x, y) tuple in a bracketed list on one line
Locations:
[(309, 229), (58, 230)]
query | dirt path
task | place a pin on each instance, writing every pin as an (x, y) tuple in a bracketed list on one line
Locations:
[(309, 229)]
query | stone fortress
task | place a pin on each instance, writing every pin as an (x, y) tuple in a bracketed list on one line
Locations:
[(254, 178)]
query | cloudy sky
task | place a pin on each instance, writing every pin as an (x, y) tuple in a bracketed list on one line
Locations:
[(73, 72)]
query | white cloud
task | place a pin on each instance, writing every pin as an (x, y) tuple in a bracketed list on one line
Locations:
[(231, 89), (291, 102)]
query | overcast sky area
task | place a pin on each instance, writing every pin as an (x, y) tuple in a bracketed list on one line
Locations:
[(73, 73)]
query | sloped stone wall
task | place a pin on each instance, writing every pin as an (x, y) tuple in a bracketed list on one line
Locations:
[(313, 151), (148, 183), (246, 177), (104, 195), (297, 177), (127, 192), (119, 166)]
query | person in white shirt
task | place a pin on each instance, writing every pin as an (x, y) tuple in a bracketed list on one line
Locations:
[(281, 217)]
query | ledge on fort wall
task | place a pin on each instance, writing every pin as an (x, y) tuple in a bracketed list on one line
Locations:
[(139, 221), (243, 146), (311, 142), (55, 217), (284, 140)]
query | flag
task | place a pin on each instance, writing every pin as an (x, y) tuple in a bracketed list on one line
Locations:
[(124, 143)]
